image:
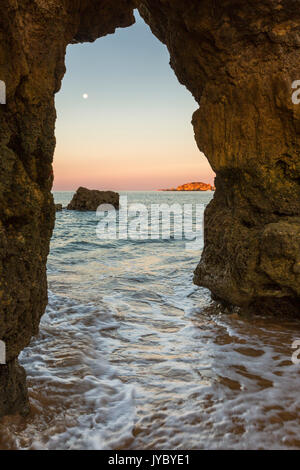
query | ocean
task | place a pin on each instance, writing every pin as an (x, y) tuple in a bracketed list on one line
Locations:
[(132, 355)]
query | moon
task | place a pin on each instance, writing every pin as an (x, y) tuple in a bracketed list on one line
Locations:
[(85, 96)]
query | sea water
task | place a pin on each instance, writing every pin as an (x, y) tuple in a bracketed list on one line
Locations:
[(132, 355)]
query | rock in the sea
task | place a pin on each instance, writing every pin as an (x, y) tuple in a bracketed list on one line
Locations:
[(195, 187), (58, 207), (198, 186), (90, 199)]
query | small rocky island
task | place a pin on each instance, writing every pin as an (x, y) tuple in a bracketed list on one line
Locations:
[(90, 199), (198, 186)]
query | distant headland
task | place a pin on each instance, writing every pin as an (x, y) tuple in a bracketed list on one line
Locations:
[(198, 186)]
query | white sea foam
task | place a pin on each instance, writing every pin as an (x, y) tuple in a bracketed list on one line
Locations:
[(78, 399)]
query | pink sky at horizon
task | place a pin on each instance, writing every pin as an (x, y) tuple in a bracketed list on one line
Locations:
[(65, 185), (130, 176)]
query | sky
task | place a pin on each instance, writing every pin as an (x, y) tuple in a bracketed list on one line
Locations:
[(123, 119)]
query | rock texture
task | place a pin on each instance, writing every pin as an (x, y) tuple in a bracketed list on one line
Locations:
[(33, 40), (90, 199), (13, 391), (58, 207), (239, 59)]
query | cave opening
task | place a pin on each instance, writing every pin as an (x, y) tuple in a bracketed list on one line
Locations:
[(123, 124), (123, 119), (240, 64)]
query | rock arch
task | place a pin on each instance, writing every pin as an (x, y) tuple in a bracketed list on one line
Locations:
[(239, 59)]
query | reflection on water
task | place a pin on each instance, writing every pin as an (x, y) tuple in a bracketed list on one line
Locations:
[(131, 355)]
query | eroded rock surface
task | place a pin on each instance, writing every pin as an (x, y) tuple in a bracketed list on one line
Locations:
[(239, 60), (33, 40), (13, 390), (90, 199)]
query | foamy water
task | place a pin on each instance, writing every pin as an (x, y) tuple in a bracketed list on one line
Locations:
[(131, 355)]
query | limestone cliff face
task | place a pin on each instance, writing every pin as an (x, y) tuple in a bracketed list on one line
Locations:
[(33, 39), (239, 59)]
